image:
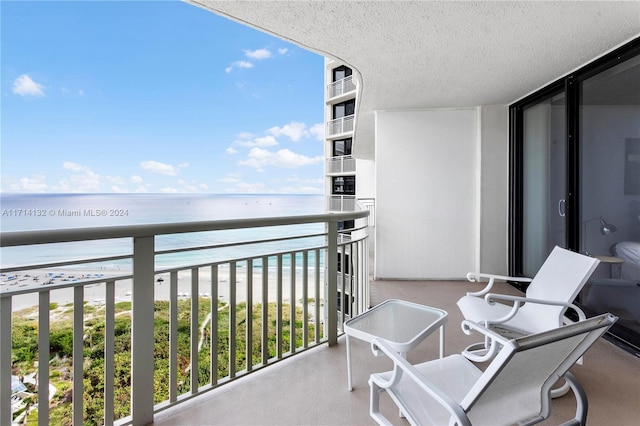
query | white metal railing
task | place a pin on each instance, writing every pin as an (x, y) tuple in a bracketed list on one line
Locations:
[(342, 164), (342, 203), (288, 280), (341, 87), (370, 205), (340, 125)]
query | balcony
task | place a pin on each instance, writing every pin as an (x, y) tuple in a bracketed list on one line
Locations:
[(341, 165), (340, 126), (340, 87), (342, 203), (312, 388), (219, 287), (297, 384)]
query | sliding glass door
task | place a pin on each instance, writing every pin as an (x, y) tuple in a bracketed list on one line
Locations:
[(544, 181), (575, 182), (609, 123)]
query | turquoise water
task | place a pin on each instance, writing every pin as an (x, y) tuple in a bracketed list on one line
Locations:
[(27, 212)]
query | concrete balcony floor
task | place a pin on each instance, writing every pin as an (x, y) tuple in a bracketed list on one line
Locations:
[(311, 388)]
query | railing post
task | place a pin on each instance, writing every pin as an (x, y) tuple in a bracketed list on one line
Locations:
[(44, 299), (5, 361), (142, 333), (332, 283)]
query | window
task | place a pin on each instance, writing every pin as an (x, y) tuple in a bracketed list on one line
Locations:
[(342, 147), (344, 185), (348, 225), (344, 109), (341, 72)]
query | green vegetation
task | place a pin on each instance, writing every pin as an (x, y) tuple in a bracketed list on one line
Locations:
[(25, 351)]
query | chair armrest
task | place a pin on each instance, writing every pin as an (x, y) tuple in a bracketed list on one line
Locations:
[(476, 276), (492, 342), (401, 367), (491, 299), (470, 327)]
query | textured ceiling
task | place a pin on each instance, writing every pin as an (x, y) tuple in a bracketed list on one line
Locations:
[(441, 54)]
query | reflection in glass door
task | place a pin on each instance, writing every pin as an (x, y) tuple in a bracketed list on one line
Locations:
[(610, 192), (544, 177)]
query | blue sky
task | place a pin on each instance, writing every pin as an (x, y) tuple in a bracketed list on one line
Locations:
[(102, 97)]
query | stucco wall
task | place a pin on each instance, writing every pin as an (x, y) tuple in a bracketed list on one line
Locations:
[(426, 193)]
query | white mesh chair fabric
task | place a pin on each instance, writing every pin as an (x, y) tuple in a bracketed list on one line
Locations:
[(514, 388), (549, 294)]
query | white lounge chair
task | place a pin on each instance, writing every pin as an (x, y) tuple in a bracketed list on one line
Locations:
[(514, 388), (549, 294)]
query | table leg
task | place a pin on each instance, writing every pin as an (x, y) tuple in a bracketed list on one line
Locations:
[(349, 364), (442, 341)]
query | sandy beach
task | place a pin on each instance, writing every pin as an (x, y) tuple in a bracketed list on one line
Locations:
[(94, 290)]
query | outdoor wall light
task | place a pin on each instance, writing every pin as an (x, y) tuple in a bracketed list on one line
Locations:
[(605, 229)]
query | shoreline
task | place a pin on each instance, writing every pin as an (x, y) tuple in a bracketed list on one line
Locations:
[(95, 292)]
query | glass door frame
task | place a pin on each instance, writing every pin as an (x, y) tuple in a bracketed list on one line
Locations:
[(516, 174), (570, 85)]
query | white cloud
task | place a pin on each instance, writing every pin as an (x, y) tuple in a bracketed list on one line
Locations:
[(254, 55), (37, 183), (75, 167), (191, 186), (243, 64), (247, 187), (317, 130), (238, 64), (260, 158), (116, 180), (294, 130), (135, 179), (263, 141), (81, 179), (25, 86), (169, 190), (258, 54), (231, 151), (230, 179), (118, 190), (298, 185), (162, 168)]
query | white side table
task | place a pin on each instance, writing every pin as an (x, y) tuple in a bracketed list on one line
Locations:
[(403, 324)]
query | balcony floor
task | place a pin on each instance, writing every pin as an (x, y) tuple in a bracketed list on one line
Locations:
[(311, 388)]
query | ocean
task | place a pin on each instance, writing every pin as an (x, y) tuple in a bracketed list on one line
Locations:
[(27, 212)]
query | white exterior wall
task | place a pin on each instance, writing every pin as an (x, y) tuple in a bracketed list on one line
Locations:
[(365, 179), (426, 194)]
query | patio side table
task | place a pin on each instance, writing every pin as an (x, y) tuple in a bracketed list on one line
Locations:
[(403, 324)]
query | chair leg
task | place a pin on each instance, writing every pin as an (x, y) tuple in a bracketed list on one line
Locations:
[(374, 404), (560, 391), (582, 404)]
